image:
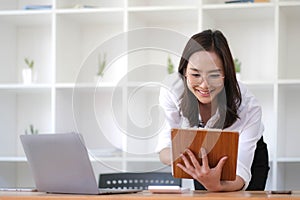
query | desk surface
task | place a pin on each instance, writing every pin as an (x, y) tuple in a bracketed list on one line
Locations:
[(195, 195)]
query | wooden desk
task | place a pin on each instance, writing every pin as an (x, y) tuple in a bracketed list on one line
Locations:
[(195, 195)]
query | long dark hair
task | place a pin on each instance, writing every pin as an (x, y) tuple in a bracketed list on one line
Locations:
[(212, 41)]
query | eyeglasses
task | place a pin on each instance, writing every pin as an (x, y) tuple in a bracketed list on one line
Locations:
[(213, 79)]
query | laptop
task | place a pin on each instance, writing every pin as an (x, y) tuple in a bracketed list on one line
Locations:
[(60, 164), (216, 142)]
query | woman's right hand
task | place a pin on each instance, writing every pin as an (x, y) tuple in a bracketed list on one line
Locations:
[(210, 178)]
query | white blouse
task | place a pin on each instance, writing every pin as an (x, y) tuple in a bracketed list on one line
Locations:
[(249, 125)]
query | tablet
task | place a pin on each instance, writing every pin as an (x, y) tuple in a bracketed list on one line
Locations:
[(217, 143)]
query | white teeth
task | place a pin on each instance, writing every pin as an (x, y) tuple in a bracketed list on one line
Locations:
[(202, 92)]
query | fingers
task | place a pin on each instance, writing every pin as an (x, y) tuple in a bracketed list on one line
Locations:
[(205, 164), (209, 177), (183, 168), (193, 162), (221, 162), (191, 165), (193, 159), (187, 163)]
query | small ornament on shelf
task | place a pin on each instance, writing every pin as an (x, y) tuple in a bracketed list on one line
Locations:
[(101, 66), (246, 1), (237, 66), (31, 131), (28, 73), (170, 65), (80, 6)]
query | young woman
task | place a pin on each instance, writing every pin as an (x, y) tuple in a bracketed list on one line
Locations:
[(205, 93)]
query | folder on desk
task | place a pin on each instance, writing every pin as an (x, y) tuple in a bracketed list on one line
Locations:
[(217, 143)]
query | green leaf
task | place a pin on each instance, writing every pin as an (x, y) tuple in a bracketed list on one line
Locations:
[(170, 66), (237, 65), (101, 64), (30, 64)]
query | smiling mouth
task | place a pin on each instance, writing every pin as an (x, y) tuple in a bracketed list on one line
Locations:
[(204, 93)]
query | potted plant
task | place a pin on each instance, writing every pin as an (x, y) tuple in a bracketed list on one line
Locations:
[(32, 130), (170, 65), (101, 65), (28, 73), (237, 66)]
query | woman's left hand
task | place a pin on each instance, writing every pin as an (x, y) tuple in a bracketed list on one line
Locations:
[(210, 178)]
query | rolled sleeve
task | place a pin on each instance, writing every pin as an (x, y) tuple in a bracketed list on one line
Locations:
[(164, 140)]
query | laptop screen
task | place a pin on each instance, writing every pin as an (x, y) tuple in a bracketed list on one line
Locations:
[(60, 163)]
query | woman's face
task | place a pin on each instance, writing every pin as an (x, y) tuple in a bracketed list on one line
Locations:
[(205, 76)]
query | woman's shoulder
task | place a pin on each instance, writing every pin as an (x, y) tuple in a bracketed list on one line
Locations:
[(245, 92), (248, 98), (250, 110)]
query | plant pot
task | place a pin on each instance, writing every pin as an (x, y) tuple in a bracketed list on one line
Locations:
[(238, 76), (28, 76)]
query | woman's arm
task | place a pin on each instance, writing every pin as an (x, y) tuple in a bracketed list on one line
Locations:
[(164, 156), (169, 100), (251, 129), (210, 178)]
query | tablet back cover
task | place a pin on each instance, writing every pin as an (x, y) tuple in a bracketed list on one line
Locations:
[(217, 143)]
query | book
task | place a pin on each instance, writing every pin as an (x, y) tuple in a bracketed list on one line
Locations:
[(37, 7), (245, 1), (239, 1)]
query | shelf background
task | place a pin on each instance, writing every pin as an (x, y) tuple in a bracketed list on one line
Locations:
[(66, 40)]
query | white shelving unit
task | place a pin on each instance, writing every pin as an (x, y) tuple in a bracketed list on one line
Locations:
[(65, 40)]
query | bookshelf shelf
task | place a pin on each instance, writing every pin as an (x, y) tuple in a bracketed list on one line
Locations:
[(62, 39)]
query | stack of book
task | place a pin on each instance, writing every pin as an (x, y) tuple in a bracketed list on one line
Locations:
[(37, 7), (244, 1)]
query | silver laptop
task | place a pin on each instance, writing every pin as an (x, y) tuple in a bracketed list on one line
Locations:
[(60, 164)]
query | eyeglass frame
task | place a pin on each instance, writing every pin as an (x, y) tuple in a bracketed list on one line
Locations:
[(202, 77)]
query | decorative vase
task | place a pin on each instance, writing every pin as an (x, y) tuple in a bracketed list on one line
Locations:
[(238, 76), (27, 76)]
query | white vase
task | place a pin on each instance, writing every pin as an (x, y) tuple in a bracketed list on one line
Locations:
[(238, 76), (27, 76)]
